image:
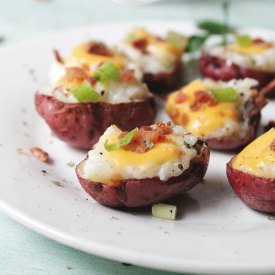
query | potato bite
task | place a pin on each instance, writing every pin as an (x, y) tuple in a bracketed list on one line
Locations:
[(246, 57), (252, 173), (225, 114), (158, 58), (81, 105), (144, 166), (88, 56)]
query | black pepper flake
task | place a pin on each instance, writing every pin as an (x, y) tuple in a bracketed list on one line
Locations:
[(100, 153), (102, 92), (126, 264), (44, 172), (180, 166)]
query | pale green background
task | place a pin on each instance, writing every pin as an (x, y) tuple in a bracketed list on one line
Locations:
[(22, 251)]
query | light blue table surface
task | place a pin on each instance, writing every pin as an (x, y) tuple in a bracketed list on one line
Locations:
[(21, 250)]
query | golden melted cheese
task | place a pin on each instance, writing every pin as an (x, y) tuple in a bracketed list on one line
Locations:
[(207, 119), (257, 155), (159, 154), (154, 42), (253, 49), (81, 56)]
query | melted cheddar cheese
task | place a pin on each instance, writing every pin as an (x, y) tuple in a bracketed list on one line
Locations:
[(207, 119), (258, 157), (80, 55), (252, 49), (154, 43), (166, 159)]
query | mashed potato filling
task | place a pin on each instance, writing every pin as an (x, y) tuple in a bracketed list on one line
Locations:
[(258, 158), (208, 119), (165, 160), (255, 56)]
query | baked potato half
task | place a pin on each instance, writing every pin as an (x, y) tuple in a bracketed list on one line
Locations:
[(252, 173), (224, 114), (245, 58), (80, 106), (143, 166), (158, 58)]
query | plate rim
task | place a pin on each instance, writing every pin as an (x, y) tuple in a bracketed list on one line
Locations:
[(109, 252)]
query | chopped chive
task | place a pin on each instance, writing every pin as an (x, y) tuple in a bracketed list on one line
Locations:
[(122, 142), (244, 40), (85, 92), (106, 73), (164, 211), (227, 94)]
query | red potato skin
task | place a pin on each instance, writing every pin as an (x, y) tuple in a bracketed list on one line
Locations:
[(254, 107), (132, 193), (162, 81), (81, 124), (257, 192), (219, 69)]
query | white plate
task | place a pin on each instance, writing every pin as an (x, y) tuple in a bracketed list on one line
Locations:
[(216, 233)]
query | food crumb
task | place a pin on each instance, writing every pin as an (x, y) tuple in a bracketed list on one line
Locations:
[(69, 267), (57, 183), (44, 172), (114, 218), (19, 150), (126, 264), (71, 164), (272, 218), (40, 154)]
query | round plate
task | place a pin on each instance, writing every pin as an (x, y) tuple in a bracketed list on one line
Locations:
[(215, 233)]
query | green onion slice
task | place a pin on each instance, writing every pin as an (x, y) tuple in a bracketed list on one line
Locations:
[(244, 40), (106, 73), (164, 211), (227, 94), (176, 39), (122, 142), (85, 92)]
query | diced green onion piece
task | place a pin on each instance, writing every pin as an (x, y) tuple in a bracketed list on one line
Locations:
[(227, 94), (176, 39), (107, 72), (122, 142), (164, 211), (244, 40), (85, 92)]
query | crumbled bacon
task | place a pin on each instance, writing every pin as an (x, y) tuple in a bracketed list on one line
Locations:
[(78, 74), (140, 44), (184, 119), (147, 136), (40, 154), (175, 113), (202, 97), (272, 145), (180, 98), (58, 56), (128, 75), (262, 42), (99, 48)]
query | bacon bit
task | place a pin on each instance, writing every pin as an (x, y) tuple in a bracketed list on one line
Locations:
[(258, 40), (272, 145), (146, 137), (40, 154), (76, 74), (175, 113), (99, 48), (140, 44), (202, 97), (184, 119), (58, 56), (128, 75), (19, 150), (180, 98)]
